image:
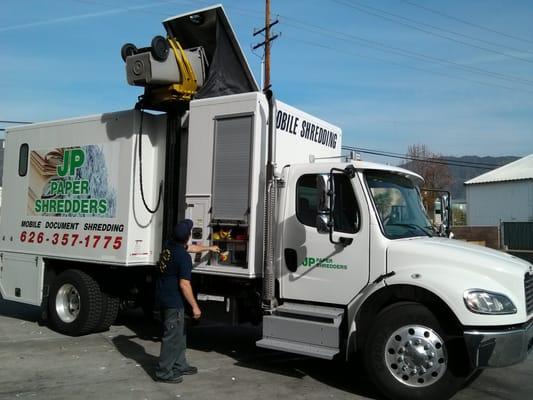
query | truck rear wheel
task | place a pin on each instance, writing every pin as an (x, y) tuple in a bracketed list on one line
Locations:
[(110, 306), (407, 354), (75, 303)]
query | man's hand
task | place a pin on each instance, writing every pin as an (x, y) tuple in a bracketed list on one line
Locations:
[(214, 249), (196, 312), (186, 290)]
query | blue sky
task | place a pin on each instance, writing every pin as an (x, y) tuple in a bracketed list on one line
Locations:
[(342, 60)]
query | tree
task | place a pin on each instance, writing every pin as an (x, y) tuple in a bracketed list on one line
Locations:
[(432, 168)]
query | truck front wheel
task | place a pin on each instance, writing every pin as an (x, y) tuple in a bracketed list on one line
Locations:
[(408, 356), (75, 303)]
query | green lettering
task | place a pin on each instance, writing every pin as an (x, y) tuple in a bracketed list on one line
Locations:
[(68, 187), (84, 187), (38, 206), (78, 158), (84, 206), (63, 169), (76, 206), (52, 207), (93, 206), (72, 159), (53, 187), (76, 187), (102, 206)]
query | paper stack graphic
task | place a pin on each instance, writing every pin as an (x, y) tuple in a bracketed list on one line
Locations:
[(43, 167)]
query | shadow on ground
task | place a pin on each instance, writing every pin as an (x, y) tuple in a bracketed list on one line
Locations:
[(25, 312), (239, 344)]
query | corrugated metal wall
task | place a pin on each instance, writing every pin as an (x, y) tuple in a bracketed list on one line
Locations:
[(518, 235), (489, 204)]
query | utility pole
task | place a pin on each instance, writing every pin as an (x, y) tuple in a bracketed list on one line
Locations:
[(266, 84), (266, 43), (268, 296)]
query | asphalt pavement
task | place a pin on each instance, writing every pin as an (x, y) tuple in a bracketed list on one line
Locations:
[(38, 363)]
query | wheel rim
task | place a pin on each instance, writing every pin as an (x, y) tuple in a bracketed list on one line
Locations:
[(67, 303), (416, 355)]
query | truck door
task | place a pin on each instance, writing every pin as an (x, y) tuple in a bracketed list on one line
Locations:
[(313, 268)]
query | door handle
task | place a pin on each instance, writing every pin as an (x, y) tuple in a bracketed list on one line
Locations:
[(291, 259)]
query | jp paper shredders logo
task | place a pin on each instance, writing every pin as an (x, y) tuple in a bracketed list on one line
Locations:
[(322, 263), (71, 182)]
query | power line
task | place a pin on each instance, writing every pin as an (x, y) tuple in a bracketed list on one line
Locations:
[(439, 158), (425, 160), (463, 21), (13, 122), (344, 51), (350, 52), (380, 46), (364, 9), (452, 32), (372, 44)]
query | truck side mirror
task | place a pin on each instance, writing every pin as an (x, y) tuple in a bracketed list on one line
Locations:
[(325, 200)]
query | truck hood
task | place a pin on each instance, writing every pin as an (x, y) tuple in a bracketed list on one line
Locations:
[(456, 253), (448, 267)]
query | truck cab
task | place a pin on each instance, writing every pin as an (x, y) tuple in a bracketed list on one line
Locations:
[(358, 256)]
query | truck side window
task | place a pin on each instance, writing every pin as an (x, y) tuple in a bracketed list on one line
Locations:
[(306, 200), (346, 213), (23, 159)]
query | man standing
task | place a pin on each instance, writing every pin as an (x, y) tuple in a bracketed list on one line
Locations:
[(172, 285)]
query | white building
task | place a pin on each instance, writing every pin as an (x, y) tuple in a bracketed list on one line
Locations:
[(504, 194)]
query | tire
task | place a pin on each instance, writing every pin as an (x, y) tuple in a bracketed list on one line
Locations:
[(110, 306), (408, 356), (127, 50), (159, 48), (75, 303)]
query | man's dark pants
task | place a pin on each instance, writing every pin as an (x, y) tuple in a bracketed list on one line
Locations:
[(173, 344)]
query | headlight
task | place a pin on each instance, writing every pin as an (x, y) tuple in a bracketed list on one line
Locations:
[(484, 302)]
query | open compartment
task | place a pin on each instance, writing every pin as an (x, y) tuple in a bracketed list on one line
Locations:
[(233, 243)]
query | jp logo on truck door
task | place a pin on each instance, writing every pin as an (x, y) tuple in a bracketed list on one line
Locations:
[(315, 262), (71, 182)]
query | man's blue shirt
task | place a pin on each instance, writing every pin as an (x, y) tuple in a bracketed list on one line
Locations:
[(174, 264)]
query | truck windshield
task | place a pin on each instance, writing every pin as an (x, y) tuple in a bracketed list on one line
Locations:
[(399, 205)]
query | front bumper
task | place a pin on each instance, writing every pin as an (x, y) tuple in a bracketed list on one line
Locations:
[(499, 348)]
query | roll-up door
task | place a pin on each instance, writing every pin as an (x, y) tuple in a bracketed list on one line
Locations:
[(231, 168)]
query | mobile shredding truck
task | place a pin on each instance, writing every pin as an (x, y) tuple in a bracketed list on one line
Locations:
[(333, 256)]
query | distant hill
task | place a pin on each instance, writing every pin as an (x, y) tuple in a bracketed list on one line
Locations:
[(462, 174)]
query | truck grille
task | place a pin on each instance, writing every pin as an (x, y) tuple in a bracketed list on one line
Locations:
[(528, 285)]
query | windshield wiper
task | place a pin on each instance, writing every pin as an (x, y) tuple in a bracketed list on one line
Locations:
[(420, 228)]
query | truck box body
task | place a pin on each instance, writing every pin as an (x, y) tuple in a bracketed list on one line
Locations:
[(76, 193), (80, 197), (227, 151)]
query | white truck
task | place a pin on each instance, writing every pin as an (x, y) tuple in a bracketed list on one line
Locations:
[(334, 257)]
